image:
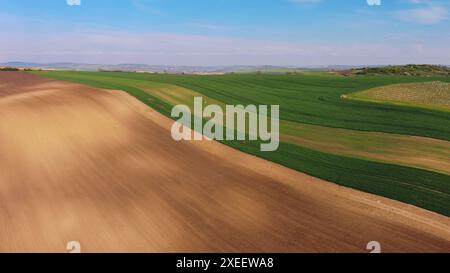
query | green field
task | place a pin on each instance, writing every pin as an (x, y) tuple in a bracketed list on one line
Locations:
[(425, 153), (313, 105)]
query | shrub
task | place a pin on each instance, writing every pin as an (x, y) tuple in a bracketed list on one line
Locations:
[(9, 69)]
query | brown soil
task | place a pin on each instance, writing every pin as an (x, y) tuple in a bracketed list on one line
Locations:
[(99, 167)]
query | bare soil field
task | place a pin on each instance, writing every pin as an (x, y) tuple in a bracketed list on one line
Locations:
[(99, 167)]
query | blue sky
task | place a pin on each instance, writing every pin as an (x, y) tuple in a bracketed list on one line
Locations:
[(226, 32)]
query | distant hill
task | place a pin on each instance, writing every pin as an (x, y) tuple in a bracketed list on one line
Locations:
[(347, 70), (406, 70), (145, 67)]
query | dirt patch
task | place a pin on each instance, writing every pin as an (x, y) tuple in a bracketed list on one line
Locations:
[(99, 167)]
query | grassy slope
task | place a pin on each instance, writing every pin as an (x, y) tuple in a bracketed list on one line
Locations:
[(319, 100), (316, 100), (425, 153), (429, 95)]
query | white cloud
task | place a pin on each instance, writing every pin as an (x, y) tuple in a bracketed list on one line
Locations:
[(174, 49), (425, 15), (146, 6)]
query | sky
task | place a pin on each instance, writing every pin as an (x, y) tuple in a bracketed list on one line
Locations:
[(226, 32)]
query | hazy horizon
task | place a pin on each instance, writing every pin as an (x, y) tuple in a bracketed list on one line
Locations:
[(26, 63)]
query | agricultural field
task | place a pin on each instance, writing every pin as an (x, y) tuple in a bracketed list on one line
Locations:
[(434, 95), (396, 151), (101, 166)]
